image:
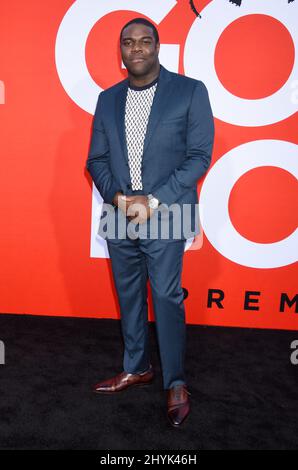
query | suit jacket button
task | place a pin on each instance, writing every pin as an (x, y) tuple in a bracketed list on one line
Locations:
[(128, 186)]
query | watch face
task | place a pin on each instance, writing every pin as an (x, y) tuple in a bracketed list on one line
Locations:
[(153, 203)]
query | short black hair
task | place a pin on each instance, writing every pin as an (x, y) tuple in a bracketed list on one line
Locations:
[(146, 23)]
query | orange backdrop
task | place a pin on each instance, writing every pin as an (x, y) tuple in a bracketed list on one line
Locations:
[(45, 204)]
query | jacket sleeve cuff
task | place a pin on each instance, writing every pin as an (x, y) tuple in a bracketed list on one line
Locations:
[(109, 196)]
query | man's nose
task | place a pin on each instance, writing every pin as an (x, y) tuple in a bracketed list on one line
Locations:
[(136, 47)]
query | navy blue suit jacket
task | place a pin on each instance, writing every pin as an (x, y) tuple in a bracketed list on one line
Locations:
[(177, 147)]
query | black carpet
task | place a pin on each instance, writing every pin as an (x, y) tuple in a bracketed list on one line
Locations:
[(243, 386)]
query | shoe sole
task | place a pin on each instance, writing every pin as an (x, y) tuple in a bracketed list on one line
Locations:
[(144, 384)]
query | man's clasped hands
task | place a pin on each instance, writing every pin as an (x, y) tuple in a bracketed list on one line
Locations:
[(135, 208)]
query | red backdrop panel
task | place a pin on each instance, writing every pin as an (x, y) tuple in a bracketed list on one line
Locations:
[(45, 203)]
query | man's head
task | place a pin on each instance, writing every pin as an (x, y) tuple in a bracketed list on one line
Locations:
[(139, 45)]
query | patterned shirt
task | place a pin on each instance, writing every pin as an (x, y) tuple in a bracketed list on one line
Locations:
[(137, 110)]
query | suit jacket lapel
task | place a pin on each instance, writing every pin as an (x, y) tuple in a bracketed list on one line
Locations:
[(120, 116), (158, 106)]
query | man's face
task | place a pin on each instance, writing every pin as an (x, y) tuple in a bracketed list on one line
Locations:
[(138, 49)]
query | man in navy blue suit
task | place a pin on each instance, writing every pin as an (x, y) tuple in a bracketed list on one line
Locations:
[(152, 140)]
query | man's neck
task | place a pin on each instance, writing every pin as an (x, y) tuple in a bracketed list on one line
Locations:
[(142, 81)]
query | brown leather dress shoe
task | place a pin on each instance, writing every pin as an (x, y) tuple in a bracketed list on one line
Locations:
[(124, 380), (178, 404)]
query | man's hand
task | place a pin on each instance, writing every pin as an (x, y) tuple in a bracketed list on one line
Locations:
[(138, 210), (120, 202)]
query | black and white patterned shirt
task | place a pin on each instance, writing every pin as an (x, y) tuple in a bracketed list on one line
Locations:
[(137, 111)]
